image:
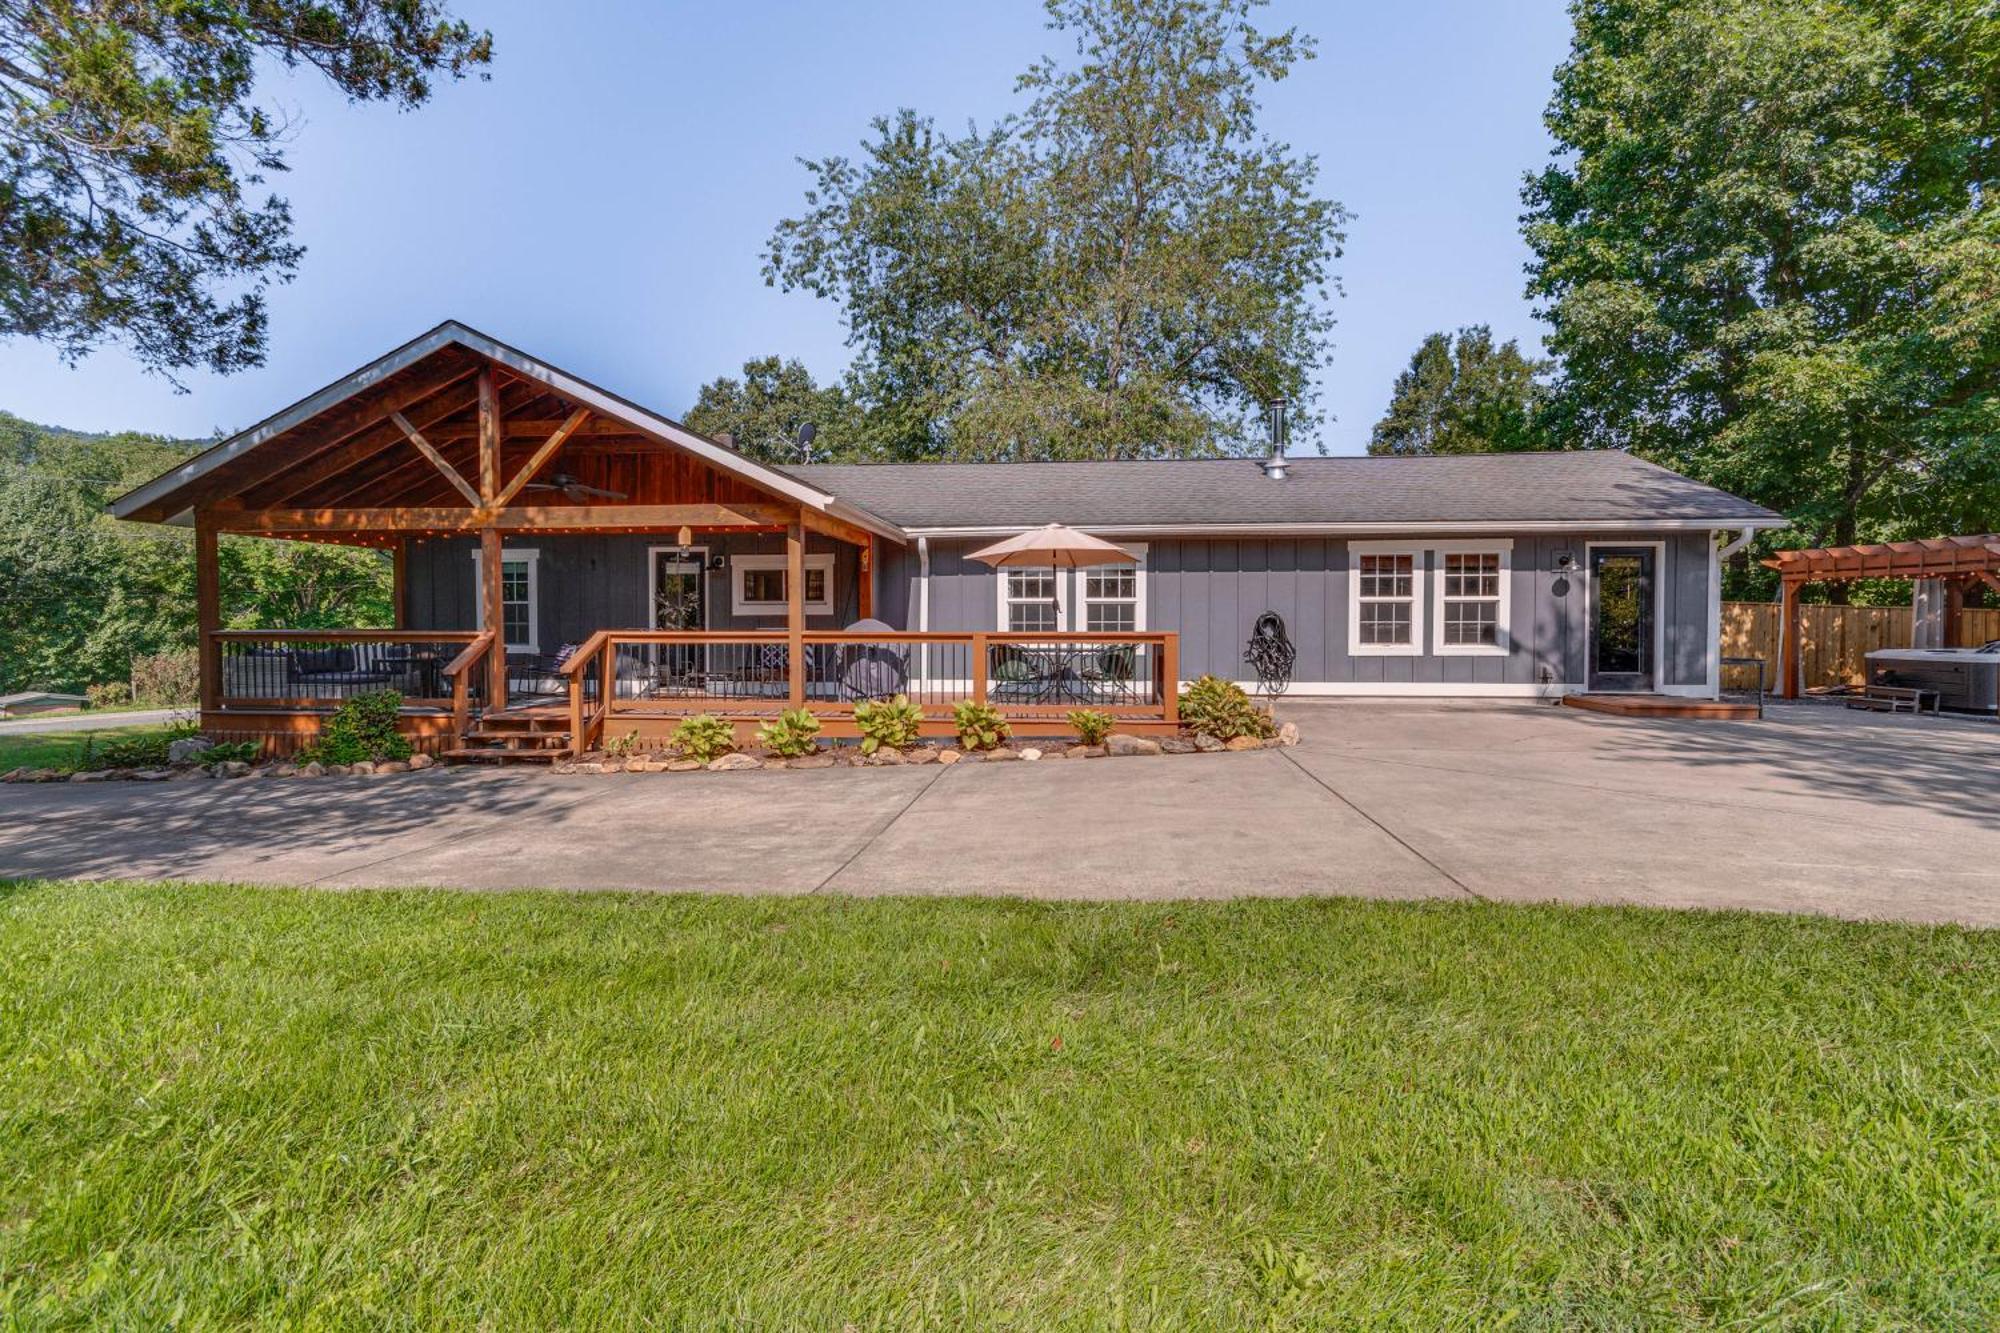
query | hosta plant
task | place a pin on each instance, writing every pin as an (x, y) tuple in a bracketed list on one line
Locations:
[(980, 726), (705, 737), (1220, 708), (1090, 725), (795, 732), (888, 723)]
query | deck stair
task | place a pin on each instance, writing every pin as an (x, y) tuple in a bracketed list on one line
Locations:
[(520, 736)]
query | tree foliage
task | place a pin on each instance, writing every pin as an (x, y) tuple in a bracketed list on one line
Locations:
[(1463, 395), (81, 593), (762, 413), (1770, 249), (132, 149), (1127, 267)]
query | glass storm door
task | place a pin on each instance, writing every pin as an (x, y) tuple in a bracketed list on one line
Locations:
[(1621, 618), (680, 601)]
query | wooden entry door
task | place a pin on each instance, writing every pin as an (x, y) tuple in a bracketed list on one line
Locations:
[(1623, 619)]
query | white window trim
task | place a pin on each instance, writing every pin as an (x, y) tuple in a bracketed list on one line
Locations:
[(1138, 590), (740, 563), (1003, 576), (1504, 548), (532, 559), (1415, 647)]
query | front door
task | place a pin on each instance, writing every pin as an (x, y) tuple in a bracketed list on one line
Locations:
[(1621, 618), (680, 601)]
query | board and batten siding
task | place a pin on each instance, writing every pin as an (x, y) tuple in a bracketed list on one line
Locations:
[(589, 582), (1211, 592)]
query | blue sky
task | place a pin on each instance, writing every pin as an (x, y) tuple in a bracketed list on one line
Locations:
[(603, 201)]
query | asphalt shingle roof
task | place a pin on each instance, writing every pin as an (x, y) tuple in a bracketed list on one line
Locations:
[(1578, 487)]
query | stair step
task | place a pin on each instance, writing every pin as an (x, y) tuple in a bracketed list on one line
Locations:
[(559, 737), (480, 754)]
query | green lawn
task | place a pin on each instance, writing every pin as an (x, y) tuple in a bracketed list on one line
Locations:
[(221, 1105), (62, 749)]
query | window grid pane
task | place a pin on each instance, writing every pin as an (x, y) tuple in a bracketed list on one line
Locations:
[(1385, 622), (1472, 622)]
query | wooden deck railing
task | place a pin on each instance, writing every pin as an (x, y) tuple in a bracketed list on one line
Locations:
[(314, 669), (621, 675)]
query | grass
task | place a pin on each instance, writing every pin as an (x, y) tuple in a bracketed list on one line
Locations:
[(64, 749), (225, 1105)]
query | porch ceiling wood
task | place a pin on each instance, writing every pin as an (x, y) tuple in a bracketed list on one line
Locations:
[(1964, 557)]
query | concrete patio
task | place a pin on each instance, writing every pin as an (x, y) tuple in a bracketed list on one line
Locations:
[(1813, 809)]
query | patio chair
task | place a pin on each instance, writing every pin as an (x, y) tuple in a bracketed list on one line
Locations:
[(871, 670)]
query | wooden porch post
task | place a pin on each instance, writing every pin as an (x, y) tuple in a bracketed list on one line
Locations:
[(1954, 611), (490, 557), (868, 579), (207, 609), (1790, 631), (795, 610), (399, 582)]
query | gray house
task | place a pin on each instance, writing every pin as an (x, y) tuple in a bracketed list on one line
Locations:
[(563, 554)]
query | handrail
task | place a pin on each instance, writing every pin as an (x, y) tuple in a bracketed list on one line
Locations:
[(475, 648), (589, 648), (459, 672), (698, 636)]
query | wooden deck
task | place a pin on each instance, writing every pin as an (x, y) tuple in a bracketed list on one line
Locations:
[(1663, 705)]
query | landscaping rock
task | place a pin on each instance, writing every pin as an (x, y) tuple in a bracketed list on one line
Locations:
[(564, 769), (1207, 743), (339, 770), (885, 755), (363, 768), (733, 763), (419, 762), (684, 765), (90, 777), (653, 764), (1085, 752), (188, 748), (1243, 743), (949, 757), (232, 768), (151, 775), (392, 766), (923, 754), (821, 760), (315, 769), (1121, 744), (1053, 753), (20, 774), (1031, 754), (999, 755), (1176, 745), (1288, 733)]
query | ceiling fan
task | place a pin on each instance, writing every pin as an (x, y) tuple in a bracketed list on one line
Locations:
[(573, 489)]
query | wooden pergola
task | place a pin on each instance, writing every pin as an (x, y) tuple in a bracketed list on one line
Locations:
[(1958, 563)]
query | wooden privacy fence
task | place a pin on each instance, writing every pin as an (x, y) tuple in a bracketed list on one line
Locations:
[(1837, 638)]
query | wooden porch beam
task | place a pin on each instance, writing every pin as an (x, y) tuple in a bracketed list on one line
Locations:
[(541, 456), (1791, 628), (489, 439), (439, 518), (829, 526), (207, 609), (438, 460), (360, 449), (795, 611)]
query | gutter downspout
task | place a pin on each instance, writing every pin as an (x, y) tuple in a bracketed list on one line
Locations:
[(924, 602), (1718, 554)]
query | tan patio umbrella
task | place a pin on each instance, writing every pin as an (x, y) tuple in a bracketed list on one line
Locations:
[(1053, 546)]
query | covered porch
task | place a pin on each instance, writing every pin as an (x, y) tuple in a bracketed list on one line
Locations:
[(472, 464)]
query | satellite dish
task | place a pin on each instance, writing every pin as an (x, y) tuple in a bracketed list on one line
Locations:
[(808, 432)]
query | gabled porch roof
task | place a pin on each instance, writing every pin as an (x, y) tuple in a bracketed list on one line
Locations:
[(346, 452)]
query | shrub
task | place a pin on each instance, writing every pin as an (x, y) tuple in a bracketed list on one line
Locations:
[(362, 729), (705, 737), (147, 751), (167, 680), (892, 723), (1220, 708), (980, 726), (241, 751), (108, 694), (1091, 726), (620, 747), (795, 732)]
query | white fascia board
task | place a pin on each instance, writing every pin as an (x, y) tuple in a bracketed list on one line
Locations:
[(1368, 529)]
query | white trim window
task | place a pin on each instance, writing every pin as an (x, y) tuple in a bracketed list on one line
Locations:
[(1031, 600), (1112, 598), (757, 585), (1385, 589), (520, 597), (1470, 614)]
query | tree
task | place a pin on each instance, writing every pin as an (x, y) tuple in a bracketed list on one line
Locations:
[(1463, 395), (762, 413), (1126, 268), (131, 144), (1769, 245)]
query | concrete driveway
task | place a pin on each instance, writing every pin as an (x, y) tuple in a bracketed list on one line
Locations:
[(1813, 809)]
